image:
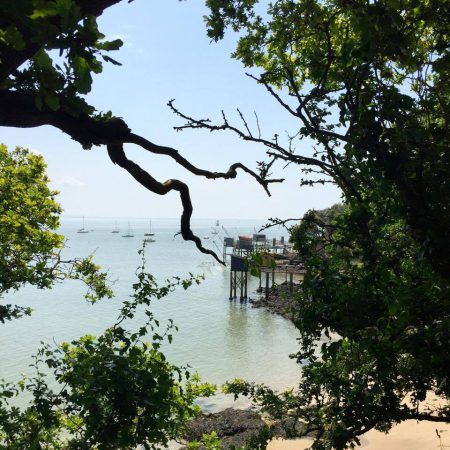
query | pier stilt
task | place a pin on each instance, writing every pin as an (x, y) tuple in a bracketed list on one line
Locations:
[(291, 283), (245, 285)]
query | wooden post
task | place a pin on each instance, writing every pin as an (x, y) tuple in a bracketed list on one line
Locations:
[(291, 283), (267, 285), (231, 285), (241, 285), (273, 277), (245, 285), (234, 292)]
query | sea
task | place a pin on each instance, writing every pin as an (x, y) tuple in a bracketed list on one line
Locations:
[(218, 338)]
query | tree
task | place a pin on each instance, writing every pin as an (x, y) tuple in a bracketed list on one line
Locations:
[(38, 88), (368, 85), (28, 212), (30, 250), (114, 391)]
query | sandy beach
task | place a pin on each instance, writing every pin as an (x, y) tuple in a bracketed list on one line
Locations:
[(409, 435)]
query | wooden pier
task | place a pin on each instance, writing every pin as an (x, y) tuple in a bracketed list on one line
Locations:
[(243, 247), (289, 272)]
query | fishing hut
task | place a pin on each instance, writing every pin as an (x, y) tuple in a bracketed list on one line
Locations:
[(277, 262), (247, 245), (238, 277)]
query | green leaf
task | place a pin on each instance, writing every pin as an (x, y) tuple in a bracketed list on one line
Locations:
[(12, 37), (110, 45), (83, 79), (52, 100), (43, 60)]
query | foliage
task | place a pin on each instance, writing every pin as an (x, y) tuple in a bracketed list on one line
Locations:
[(209, 441), (258, 260), (71, 50), (30, 250), (28, 213), (306, 237), (114, 391), (368, 84)]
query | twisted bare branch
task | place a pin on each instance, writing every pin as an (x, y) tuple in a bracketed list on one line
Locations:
[(117, 155), (246, 136), (175, 155)]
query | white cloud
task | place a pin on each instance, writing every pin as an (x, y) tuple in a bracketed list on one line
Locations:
[(69, 181)]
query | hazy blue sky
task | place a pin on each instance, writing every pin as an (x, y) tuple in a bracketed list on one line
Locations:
[(167, 55)]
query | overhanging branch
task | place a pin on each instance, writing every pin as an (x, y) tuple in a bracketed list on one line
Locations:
[(117, 155), (19, 110), (11, 58), (283, 153)]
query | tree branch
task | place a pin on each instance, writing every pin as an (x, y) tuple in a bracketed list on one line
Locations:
[(11, 59), (175, 155), (19, 110), (424, 416), (207, 125), (117, 155)]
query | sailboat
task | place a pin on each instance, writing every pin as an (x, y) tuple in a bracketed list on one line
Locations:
[(128, 235), (116, 229), (82, 229), (150, 232), (216, 229)]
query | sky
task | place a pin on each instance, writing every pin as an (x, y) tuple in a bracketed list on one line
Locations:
[(167, 55)]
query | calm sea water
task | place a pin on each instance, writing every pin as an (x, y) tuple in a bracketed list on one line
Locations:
[(221, 339)]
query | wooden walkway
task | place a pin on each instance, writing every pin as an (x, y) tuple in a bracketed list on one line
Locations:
[(286, 270)]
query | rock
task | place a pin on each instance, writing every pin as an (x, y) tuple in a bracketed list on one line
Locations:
[(233, 426), (279, 301)]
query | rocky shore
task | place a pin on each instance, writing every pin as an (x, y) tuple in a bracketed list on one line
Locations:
[(235, 427), (279, 301)]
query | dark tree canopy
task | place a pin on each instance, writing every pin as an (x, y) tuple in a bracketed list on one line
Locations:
[(368, 83)]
